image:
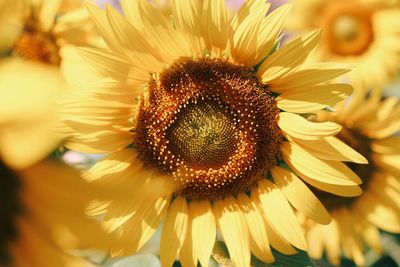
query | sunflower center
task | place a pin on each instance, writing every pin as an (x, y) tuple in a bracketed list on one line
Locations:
[(203, 135), (10, 207), (211, 125), (348, 28), (35, 45), (362, 144)]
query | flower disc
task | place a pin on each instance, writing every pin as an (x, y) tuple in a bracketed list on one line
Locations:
[(210, 124), (348, 28), (35, 45)]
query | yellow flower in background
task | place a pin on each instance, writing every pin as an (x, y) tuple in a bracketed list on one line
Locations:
[(37, 29), (11, 13), (42, 203), (364, 33), (28, 110), (369, 126), (200, 116)]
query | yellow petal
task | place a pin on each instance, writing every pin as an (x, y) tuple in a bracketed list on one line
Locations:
[(386, 108), (382, 188), (234, 230), (215, 22), (28, 111), (389, 145), (315, 241), (48, 13), (97, 207), (332, 241), (379, 213), (387, 129), (299, 195), (103, 27), (245, 37), (109, 64), (288, 58), (351, 241), (187, 15), (187, 255), (371, 236), (259, 243), (276, 240), (157, 29), (174, 231), (331, 148), (388, 179), (388, 162), (34, 249), (140, 52), (245, 9), (49, 185), (73, 65), (111, 164), (310, 75), (299, 127), (132, 13), (340, 190), (97, 124), (269, 31), (142, 225), (280, 213), (313, 98), (12, 22), (203, 230), (306, 165)]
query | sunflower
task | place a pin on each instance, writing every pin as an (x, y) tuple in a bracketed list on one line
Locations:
[(41, 213), (358, 32), (202, 117), (371, 131), (36, 30)]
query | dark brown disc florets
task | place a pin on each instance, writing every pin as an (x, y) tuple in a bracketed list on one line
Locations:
[(211, 125)]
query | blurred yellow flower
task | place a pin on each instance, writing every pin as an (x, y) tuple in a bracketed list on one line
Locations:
[(37, 29), (364, 33), (200, 116), (41, 211), (369, 126)]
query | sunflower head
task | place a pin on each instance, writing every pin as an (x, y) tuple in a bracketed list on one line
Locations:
[(358, 32), (34, 44), (205, 118), (41, 28), (211, 125)]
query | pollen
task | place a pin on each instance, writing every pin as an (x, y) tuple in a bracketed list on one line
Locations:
[(211, 125)]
